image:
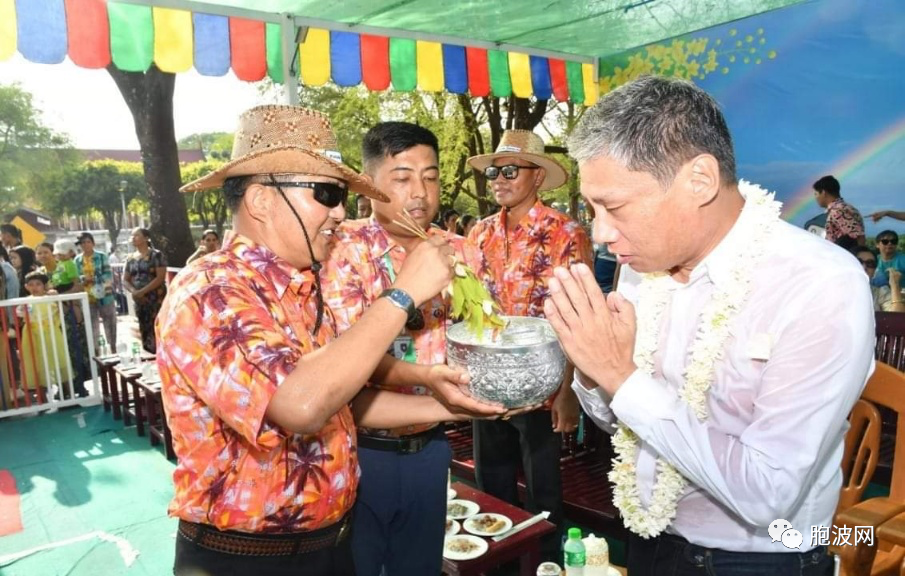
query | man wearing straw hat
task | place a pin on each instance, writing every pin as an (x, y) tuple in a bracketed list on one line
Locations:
[(399, 516), (255, 385), (514, 253)]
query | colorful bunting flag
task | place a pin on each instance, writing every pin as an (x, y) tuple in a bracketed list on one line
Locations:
[(94, 33)]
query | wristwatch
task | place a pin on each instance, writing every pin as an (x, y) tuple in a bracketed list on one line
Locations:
[(414, 319)]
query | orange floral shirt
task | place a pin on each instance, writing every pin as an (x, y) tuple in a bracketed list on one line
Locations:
[(516, 266), (363, 263), (232, 328)]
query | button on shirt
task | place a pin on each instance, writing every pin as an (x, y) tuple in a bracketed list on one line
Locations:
[(798, 357), (232, 328), (363, 263)]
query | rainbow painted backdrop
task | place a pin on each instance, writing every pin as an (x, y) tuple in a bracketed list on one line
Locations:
[(96, 33)]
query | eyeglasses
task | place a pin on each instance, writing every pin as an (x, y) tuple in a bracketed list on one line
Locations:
[(868, 263), (886, 241), (509, 171), (327, 194)]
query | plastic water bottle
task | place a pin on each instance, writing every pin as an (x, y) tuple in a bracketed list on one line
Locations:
[(574, 553), (136, 352), (102, 345)]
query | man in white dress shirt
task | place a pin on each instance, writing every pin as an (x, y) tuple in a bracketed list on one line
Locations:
[(731, 354)]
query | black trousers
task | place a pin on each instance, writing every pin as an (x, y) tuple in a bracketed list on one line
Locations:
[(668, 555), (193, 560), (525, 441)]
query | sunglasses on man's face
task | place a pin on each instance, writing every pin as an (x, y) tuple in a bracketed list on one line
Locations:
[(328, 194), (886, 241), (509, 171), (868, 263)]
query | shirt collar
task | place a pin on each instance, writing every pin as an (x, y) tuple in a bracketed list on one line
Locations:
[(283, 275), (528, 220), (718, 264)]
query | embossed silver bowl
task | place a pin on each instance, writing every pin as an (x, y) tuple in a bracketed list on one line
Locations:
[(524, 365)]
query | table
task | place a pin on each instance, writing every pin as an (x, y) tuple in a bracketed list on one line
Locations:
[(109, 392), (158, 430), (128, 377), (525, 545)]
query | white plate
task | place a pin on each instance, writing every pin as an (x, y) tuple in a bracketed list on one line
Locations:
[(452, 527), (471, 508), (471, 524), (450, 494), (481, 547)]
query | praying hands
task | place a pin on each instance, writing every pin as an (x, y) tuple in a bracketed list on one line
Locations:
[(597, 332)]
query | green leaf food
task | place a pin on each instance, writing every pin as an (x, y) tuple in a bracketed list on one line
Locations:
[(473, 304)]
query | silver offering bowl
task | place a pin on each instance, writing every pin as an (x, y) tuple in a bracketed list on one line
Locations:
[(524, 365)]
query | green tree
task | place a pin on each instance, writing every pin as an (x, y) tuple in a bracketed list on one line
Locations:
[(30, 152), (217, 145), (207, 207), (95, 187)]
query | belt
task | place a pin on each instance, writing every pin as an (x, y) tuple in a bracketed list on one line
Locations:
[(401, 445), (258, 544)]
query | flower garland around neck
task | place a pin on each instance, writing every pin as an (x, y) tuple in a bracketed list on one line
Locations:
[(711, 335)]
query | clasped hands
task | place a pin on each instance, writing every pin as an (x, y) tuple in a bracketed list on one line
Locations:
[(596, 332)]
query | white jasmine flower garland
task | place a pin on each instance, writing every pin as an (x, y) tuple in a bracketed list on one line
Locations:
[(708, 347)]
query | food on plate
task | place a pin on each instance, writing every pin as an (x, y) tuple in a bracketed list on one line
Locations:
[(456, 509), (461, 545), (489, 524)]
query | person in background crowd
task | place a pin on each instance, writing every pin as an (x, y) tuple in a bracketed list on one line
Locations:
[(842, 219), (466, 223), (890, 257), (144, 277), (450, 219), (22, 259), (96, 276), (256, 386), (10, 236), (731, 354), (514, 254), (210, 241), (887, 297), (877, 216), (9, 289), (42, 337), (59, 265), (398, 520), (363, 207)]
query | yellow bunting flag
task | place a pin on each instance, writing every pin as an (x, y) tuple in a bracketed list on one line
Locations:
[(591, 88), (315, 57), (173, 40), (520, 74), (8, 34), (429, 61)]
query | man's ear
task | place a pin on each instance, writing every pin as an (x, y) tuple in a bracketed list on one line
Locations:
[(540, 177), (258, 200), (703, 176)]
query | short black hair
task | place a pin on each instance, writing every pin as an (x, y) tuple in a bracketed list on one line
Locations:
[(85, 236), (847, 242), (209, 231), (12, 230), (234, 188), (829, 185), (48, 245), (37, 275), (449, 214), (391, 138), (889, 234)]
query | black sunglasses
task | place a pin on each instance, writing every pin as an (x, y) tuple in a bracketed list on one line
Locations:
[(328, 194), (868, 263), (509, 171), (886, 241)]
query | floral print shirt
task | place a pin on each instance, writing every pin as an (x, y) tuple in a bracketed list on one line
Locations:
[(516, 266), (232, 328), (843, 219), (363, 263)]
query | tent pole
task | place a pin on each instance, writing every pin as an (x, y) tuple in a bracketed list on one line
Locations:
[(290, 50)]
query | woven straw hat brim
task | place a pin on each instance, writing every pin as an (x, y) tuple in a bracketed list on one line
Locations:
[(556, 175), (286, 160)]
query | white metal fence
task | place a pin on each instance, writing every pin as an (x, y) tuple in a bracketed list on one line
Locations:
[(46, 354)]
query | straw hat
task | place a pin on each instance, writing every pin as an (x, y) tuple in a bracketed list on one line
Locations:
[(285, 140), (527, 145)]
